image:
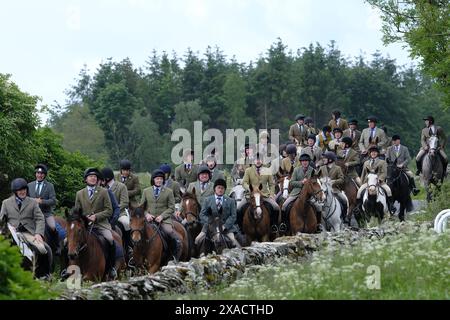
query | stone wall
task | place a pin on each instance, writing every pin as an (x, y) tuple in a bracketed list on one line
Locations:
[(213, 269)]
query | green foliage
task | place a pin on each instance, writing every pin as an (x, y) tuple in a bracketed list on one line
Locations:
[(16, 283), (425, 27), (440, 201)]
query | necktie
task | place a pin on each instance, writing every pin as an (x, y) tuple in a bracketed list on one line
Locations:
[(372, 162), (397, 151), (219, 202), (19, 202), (123, 179), (352, 135), (91, 193), (372, 133), (38, 188), (258, 170), (156, 192), (203, 186), (188, 166), (301, 128)]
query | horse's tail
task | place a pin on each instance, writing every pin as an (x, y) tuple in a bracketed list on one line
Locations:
[(409, 205)]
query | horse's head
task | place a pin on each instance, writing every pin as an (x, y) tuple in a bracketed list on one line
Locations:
[(4, 226), (137, 224), (237, 193), (255, 201), (283, 183), (190, 207), (372, 183), (76, 232), (433, 144)]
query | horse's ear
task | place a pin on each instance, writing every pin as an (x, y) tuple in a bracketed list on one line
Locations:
[(370, 139), (193, 191), (251, 187), (260, 187), (131, 207)]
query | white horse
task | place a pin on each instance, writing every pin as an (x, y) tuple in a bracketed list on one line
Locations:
[(331, 209), (432, 168), (237, 193), (374, 199)]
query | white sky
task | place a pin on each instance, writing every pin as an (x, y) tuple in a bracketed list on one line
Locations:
[(45, 43)]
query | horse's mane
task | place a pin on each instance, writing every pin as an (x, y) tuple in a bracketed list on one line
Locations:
[(138, 212), (190, 196)]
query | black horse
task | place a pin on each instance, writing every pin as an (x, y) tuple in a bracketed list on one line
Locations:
[(398, 181), (216, 239)]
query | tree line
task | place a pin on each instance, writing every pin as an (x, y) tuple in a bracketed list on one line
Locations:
[(123, 111)]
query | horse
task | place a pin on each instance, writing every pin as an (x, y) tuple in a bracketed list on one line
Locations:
[(190, 214), (432, 167), (238, 193), (331, 209), (256, 219), (302, 215), (85, 249), (374, 201), (215, 239), (351, 191), (398, 181), (39, 264), (148, 244)]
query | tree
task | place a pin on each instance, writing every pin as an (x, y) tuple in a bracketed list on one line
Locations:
[(425, 27)]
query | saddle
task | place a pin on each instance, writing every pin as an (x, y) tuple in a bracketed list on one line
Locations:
[(105, 246)]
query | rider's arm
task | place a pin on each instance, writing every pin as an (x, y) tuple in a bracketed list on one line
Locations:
[(107, 206), (295, 181), (170, 207), (204, 213), (231, 220), (361, 142), (136, 188), (39, 220), (51, 201)]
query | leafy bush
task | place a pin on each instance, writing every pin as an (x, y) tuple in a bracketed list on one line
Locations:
[(16, 283)]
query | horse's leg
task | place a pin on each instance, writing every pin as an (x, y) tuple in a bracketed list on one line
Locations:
[(401, 214)]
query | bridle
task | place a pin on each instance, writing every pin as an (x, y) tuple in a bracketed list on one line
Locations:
[(144, 234)]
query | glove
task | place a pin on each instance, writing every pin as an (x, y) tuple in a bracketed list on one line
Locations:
[(200, 237)]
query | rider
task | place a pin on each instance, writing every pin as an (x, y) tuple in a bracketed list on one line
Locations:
[(379, 167), (370, 134), (203, 186), (309, 123), (121, 195), (225, 207), (171, 184), (337, 122), (300, 175), (244, 162), (211, 162), (186, 172), (43, 192), (159, 204), (431, 130), (324, 138), (290, 161), (131, 181), (95, 204), (314, 152), (24, 215), (331, 170), (353, 133), (399, 154), (351, 160), (259, 175), (336, 144), (298, 131)]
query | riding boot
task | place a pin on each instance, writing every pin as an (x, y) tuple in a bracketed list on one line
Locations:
[(56, 242), (178, 249), (412, 186), (419, 167), (111, 261), (390, 204), (284, 218)]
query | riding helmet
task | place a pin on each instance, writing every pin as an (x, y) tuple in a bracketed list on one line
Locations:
[(41, 168), (429, 118), (337, 130), (291, 149), (308, 120), (165, 168), (353, 121), (107, 174), (157, 173), (299, 117), (372, 119), (312, 137), (304, 157), (347, 140), (220, 182), (125, 164), (330, 155), (92, 171), (19, 184), (204, 169), (395, 137), (373, 148)]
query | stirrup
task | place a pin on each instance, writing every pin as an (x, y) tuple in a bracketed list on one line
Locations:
[(274, 228), (282, 227)]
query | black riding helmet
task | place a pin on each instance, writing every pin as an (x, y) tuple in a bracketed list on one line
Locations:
[(92, 171), (125, 164), (330, 156), (291, 149), (304, 157), (204, 169), (19, 184), (158, 173), (347, 140), (41, 168), (299, 117), (107, 174), (220, 182)]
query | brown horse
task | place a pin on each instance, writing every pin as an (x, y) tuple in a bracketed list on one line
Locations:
[(84, 248), (256, 221), (302, 216), (148, 246), (190, 210), (350, 189)]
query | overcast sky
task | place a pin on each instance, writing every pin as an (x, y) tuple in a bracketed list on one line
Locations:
[(45, 43)]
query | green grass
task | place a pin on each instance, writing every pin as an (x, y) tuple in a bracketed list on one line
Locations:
[(412, 266)]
